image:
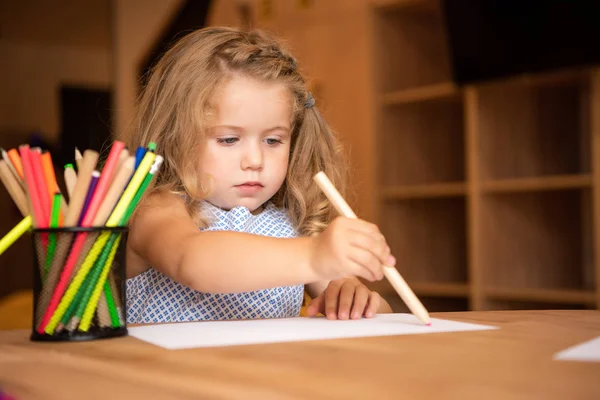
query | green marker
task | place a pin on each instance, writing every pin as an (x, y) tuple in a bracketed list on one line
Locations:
[(54, 217), (158, 160)]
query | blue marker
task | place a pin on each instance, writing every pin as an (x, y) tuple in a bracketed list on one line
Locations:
[(139, 155)]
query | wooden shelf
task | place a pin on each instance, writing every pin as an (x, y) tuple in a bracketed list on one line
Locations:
[(542, 295), (538, 240), (439, 91), (534, 129), (428, 238), (435, 289), (423, 143), (561, 77), (414, 51), (423, 5), (486, 194), (537, 183), (424, 191)]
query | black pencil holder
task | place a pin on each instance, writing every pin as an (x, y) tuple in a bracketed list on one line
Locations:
[(79, 283)]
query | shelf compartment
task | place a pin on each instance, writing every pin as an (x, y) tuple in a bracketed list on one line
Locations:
[(422, 143), (431, 303), (534, 127), (542, 295), (413, 50), (507, 305), (538, 240), (440, 289), (420, 5), (428, 238), (440, 91), (452, 189), (537, 183)]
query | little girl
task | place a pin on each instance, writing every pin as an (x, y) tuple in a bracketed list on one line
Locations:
[(235, 227)]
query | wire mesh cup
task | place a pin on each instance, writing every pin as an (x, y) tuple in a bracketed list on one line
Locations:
[(79, 283)]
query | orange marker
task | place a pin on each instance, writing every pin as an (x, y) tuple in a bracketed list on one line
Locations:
[(51, 183), (15, 159)]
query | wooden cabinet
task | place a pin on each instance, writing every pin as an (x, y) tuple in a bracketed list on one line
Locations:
[(488, 193)]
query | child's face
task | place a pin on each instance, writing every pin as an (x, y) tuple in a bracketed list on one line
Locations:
[(248, 143)]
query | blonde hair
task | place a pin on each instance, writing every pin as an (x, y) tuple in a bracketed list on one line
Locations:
[(173, 107)]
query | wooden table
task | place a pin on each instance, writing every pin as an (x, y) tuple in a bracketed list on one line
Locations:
[(514, 362)]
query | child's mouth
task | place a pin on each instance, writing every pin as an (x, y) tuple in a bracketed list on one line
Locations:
[(250, 187)]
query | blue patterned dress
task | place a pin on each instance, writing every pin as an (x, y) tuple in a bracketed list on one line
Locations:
[(153, 297)]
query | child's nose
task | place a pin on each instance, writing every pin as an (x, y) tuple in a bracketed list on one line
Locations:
[(252, 158)]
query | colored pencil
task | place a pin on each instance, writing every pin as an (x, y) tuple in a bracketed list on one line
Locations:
[(11, 167), (76, 268), (40, 181), (15, 233), (54, 285), (52, 184), (54, 223), (103, 183), (88, 197), (14, 189), (70, 179), (15, 159), (78, 158), (391, 273), (32, 189), (54, 311)]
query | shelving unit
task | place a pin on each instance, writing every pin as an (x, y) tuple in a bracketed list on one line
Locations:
[(489, 194)]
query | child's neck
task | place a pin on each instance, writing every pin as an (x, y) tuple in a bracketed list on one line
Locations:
[(257, 211)]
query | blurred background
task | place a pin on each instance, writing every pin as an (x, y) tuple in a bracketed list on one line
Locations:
[(472, 126)]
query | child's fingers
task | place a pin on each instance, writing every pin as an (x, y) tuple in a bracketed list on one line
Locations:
[(317, 305), (345, 299), (377, 240), (377, 246), (361, 297), (332, 294), (373, 306), (370, 265)]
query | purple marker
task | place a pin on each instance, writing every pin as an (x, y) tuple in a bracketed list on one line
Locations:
[(90, 194)]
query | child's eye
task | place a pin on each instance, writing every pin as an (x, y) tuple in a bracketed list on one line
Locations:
[(228, 140), (273, 142)]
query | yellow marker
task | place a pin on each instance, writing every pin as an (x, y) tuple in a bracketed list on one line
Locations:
[(131, 189), (15, 233), (77, 281), (90, 308)]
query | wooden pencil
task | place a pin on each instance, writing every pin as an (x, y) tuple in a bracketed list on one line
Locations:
[(115, 190), (122, 158), (70, 179), (15, 159), (12, 168), (78, 158), (14, 188), (391, 273)]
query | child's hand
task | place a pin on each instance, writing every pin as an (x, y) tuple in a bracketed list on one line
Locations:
[(347, 298), (350, 247)]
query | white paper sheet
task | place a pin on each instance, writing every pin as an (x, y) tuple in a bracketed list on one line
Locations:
[(244, 332), (586, 351)]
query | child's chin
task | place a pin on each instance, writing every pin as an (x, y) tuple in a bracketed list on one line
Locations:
[(253, 205)]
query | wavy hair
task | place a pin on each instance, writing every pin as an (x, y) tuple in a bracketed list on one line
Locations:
[(174, 107)]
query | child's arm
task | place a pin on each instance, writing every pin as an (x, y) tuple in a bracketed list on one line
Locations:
[(345, 298), (165, 237)]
